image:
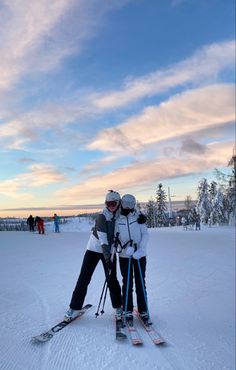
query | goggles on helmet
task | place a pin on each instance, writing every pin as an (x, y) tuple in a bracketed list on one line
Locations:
[(111, 203)]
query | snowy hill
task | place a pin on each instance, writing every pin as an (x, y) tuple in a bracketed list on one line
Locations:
[(190, 283)]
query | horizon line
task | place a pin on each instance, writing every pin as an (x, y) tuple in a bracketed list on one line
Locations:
[(71, 207)]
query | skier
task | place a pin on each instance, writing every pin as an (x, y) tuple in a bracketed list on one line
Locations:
[(40, 223), (56, 220), (133, 237), (198, 223), (30, 223), (99, 249)]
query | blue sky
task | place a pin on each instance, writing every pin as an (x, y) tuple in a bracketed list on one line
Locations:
[(105, 95)]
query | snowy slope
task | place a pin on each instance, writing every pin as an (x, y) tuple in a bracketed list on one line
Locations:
[(190, 282)]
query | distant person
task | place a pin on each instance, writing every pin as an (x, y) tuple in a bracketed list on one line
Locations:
[(56, 220), (39, 222), (198, 223), (30, 223), (184, 222), (99, 249)]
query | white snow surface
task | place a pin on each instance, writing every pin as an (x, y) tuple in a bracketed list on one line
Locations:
[(191, 294)]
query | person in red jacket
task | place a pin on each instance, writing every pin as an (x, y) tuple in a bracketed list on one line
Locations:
[(40, 224)]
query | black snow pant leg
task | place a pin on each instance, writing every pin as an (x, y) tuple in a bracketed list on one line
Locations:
[(140, 284), (124, 263), (113, 284), (89, 264)]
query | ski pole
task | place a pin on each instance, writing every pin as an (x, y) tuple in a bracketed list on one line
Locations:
[(144, 290), (108, 278), (127, 288), (100, 300)]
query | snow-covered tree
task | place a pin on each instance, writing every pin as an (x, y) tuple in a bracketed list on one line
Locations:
[(151, 213), (161, 202), (203, 201), (231, 192), (218, 208), (213, 211)]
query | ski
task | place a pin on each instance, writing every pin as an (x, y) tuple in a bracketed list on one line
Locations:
[(46, 336), (152, 332), (133, 333), (120, 335)]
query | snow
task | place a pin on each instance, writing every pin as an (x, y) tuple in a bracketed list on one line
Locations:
[(191, 291)]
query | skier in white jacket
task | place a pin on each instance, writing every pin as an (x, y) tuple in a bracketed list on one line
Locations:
[(99, 249), (133, 238)]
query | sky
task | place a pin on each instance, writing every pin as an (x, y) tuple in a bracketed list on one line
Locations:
[(106, 95)]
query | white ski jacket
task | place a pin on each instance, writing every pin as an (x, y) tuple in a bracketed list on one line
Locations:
[(103, 231), (130, 230)]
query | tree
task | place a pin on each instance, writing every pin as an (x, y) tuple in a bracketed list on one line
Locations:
[(203, 202), (151, 213), (161, 199), (218, 208), (231, 192), (188, 202)]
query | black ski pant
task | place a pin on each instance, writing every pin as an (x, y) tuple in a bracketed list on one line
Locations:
[(31, 227), (89, 264), (134, 273)]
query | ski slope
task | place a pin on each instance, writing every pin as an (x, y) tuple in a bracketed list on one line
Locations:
[(191, 294)]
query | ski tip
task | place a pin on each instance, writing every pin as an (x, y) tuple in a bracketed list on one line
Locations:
[(159, 341), (36, 340), (87, 306)]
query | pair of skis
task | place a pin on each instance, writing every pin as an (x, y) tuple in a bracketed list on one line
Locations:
[(120, 330), (134, 334)]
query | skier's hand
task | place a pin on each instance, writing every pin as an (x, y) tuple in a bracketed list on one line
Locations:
[(109, 264), (141, 219), (107, 256), (138, 254), (129, 251), (106, 251)]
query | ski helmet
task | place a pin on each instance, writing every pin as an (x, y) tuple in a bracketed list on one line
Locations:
[(112, 196), (128, 201)]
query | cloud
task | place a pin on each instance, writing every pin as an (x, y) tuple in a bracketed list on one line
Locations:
[(205, 64), (183, 114), (26, 160), (28, 127), (191, 146), (97, 165), (36, 36), (133, 177), (39, 175)]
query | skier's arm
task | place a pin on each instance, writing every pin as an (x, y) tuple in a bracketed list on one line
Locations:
[(101, 229), (145, 236)]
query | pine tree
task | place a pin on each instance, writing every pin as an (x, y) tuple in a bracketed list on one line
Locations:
[(151, 213), (218, 208), (203, 202), (161, 199), (213, 203), (231, 192)]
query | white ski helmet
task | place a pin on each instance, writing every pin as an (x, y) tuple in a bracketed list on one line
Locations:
[(112, 196), (128, 201)]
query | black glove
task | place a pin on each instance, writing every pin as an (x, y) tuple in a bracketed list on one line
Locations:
[(107, 255), (141, 219)]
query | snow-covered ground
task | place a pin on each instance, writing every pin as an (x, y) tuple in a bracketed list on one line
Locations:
[(191, 292)]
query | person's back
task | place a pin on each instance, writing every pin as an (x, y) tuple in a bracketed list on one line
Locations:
[(56, 219), (30, 222), (40, 223)]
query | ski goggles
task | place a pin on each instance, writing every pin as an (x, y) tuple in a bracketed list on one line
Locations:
[(111, 203), (127, 204)]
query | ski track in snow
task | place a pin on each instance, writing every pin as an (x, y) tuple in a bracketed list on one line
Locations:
[(190, 284)]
